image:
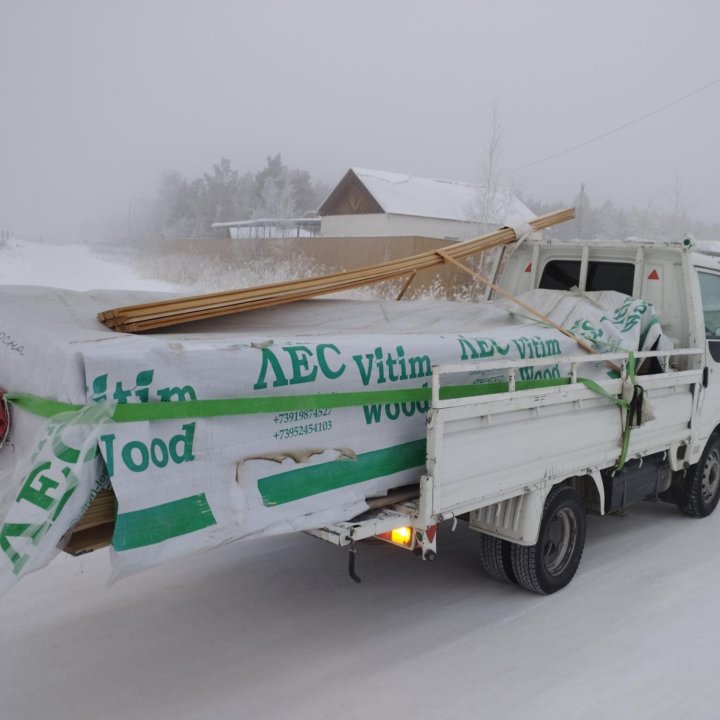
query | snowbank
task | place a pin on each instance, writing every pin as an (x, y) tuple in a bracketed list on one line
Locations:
[(75, 267)]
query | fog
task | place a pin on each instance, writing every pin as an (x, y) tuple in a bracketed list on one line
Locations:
[(97, 98)]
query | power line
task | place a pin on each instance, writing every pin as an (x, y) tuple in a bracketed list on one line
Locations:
[(617, 129)]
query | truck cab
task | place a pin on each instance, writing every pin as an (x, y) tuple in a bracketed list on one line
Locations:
[(680, 280), (524, 464)]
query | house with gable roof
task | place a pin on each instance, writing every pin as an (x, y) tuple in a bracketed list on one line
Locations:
[(375, 203)]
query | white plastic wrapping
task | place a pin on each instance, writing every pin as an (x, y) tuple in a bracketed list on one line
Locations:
[(195, 482), (48, 490)]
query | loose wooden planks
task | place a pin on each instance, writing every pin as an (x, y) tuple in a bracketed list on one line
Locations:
[(165, 313)]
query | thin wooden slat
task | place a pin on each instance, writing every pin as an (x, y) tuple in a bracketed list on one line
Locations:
[(406, 285), (426, 259), (307, 287), (267, 300), (188, 311), (165, 313)]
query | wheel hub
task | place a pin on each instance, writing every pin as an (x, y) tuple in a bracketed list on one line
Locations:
[(560, 540), (711, 477)]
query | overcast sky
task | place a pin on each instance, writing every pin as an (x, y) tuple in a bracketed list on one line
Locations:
[(98, 97)]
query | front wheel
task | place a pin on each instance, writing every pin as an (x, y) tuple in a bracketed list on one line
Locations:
[(702, 489), (550, 564)]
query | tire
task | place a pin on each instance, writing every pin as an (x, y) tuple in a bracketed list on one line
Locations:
[(495, 558), (702, 484), (550, 564)]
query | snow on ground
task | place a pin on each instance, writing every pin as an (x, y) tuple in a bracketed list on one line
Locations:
[(274, 628), (75, 267)]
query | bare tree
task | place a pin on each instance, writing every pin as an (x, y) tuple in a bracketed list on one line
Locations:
[(490, 168), (678, 222), (493, 201)]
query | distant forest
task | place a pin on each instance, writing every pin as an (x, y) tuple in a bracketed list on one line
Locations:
[(187, 208), (610, 222)]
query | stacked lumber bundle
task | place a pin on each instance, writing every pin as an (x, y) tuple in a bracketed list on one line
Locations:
[(95, 528), (152, 316)]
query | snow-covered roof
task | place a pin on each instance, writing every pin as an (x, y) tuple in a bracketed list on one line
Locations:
[(448, 199), (268, 221)]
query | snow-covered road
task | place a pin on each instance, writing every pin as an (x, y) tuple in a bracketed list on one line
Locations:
[(274, 628)]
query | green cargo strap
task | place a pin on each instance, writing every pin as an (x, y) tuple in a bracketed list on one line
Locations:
[(183, 409), (628, 418)]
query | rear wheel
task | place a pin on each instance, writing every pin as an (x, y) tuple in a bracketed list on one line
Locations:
[(495, 558), (702, 485), (550, 564)]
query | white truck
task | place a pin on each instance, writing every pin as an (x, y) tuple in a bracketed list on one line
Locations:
[(524, 466)]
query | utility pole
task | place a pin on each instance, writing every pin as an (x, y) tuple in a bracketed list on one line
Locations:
[(579, 210)]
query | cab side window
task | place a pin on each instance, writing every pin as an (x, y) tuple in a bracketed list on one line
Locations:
[(610, 276), (560, 275), (601, 275), (710, 294)]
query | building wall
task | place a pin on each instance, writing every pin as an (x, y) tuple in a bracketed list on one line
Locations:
[(378, 224), (434, 227), (370, 224)]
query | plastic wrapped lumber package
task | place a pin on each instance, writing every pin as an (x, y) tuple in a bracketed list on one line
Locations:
[(275, 421)]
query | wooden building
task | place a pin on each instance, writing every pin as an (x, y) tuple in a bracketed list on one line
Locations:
[(375, 203)]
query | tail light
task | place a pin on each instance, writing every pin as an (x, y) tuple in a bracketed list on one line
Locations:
[(402, 536)]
